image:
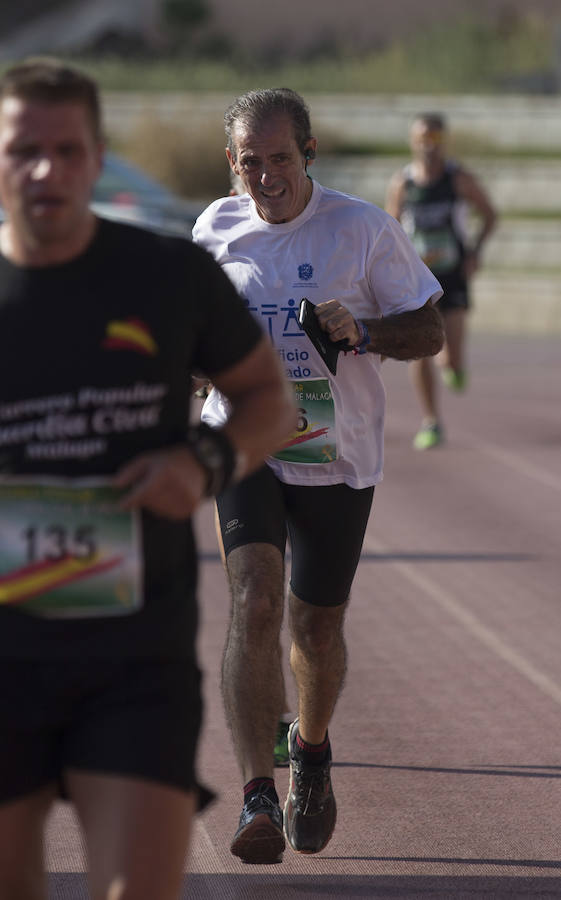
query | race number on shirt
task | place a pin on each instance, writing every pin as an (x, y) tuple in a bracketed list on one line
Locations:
[(67, 550), (313, 441)]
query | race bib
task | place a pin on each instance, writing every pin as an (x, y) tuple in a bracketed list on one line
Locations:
[(314, 438), (438, 250), (66, 550)]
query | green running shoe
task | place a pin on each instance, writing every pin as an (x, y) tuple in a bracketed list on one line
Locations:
[(281, 756), (427, 437), (456, 381)]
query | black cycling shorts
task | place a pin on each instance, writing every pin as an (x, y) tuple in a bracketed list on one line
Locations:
[(130, 718), (325, 525)]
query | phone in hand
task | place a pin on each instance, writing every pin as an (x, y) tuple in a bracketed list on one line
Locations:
[(328, 350)]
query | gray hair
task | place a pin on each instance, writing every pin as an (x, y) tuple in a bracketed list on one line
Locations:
[(254, 107)]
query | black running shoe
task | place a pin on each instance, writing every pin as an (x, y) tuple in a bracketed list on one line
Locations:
[(310, 811), (259, 838)]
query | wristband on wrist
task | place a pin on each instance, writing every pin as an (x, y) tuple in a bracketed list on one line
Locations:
[(214, 451), (364, 338)]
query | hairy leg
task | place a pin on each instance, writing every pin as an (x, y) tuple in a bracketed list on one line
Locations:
[(22, 824), (318, 661), (137, 835), (421, 372), (252, 682), (284, 702)]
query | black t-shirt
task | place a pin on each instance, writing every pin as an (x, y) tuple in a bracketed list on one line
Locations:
[(95, 363)]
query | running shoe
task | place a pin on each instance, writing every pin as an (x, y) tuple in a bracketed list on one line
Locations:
[(428, 436), (310, 811), (281, 745), (259, 838), (456, 381)]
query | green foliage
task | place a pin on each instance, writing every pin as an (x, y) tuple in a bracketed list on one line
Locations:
[(476, 57), (185, 13), (464, 57), (532, 215), (191, 163)]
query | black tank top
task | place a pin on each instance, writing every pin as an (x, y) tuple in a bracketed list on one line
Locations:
[(429, 217)]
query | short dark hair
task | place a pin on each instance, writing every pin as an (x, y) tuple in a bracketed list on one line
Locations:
[(254, 107), (432, 120), (46, 80)]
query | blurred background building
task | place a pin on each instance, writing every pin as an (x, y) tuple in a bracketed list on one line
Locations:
[(290, 28), (169, 68)]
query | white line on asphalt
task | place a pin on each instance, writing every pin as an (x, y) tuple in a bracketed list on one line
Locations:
[(484, 634), (209, 863), (516, 462)]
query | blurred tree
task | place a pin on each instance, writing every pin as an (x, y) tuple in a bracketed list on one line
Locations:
[(183, 22), (185, 14)]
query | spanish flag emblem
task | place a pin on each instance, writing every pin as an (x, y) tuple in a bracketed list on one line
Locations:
[(42, 577), (129, 334)]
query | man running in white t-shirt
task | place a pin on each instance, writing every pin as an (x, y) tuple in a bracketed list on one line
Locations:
[(287, 238)]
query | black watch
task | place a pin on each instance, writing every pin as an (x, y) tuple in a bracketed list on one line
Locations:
[(214, 452)]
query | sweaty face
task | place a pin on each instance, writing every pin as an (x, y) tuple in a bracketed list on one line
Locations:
[(272, 168), (426, 141), (49, 162)]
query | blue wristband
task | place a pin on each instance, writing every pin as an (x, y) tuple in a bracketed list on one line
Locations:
[(364, 340)]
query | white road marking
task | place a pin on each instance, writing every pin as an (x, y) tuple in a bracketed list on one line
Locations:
[(513, 460), (516, 462), (203, 845), (482, 632)]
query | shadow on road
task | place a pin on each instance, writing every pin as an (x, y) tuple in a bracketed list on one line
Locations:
[(71, 886), (420, 557)]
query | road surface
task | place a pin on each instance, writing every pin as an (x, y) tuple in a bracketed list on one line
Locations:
[(447, 736)]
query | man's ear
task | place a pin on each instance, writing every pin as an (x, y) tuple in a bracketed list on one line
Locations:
[(232, 161), (310, 151)]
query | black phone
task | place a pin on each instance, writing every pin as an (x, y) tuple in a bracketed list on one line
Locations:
[(328, 350)]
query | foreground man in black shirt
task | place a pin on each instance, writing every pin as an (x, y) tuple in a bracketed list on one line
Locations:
[(101, 325)]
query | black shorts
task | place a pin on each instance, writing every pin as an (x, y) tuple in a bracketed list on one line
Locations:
[(325, 525), (453, 298), (131, 718)]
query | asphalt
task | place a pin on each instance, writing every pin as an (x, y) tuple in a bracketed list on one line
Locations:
[(447, 768)]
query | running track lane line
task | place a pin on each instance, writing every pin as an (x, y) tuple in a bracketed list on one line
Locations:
[(480, 631), (515, 462), (204, 847)]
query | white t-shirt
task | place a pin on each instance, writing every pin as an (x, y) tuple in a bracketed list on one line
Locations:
[(339, 247)]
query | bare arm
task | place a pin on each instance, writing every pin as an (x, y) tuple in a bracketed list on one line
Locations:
[(408, 335), (172, 483), (394, 196), (470, 190)]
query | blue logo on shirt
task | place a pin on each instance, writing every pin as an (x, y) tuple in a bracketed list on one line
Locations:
[(305, 271)]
